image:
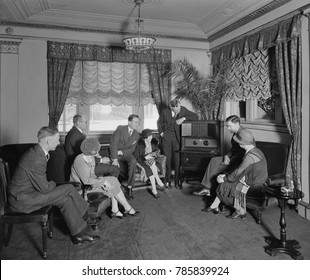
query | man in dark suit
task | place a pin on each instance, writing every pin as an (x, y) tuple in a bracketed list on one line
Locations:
[(30, 190), (169, 128), (73, 141), (123, 144)]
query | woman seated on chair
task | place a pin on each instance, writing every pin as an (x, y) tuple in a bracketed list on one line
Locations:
[(83, 171), (251, 173), (146, 157)]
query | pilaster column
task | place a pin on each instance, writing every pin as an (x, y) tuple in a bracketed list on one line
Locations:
[(9, 90)]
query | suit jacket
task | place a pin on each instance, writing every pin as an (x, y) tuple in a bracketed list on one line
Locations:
[(166, 119), (29, 186), (73, 141), (236, 153), (121, 141)]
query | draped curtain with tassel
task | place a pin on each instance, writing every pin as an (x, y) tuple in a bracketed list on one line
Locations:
[(160, 84), (67, 54), (288, 57), (60, 72)]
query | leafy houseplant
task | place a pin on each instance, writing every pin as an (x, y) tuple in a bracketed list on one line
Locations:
[(206, 94)]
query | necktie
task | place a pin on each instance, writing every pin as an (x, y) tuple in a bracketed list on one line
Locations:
[(130, 132), (47, 157)]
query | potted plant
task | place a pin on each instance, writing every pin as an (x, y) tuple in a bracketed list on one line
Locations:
[(206, 94)]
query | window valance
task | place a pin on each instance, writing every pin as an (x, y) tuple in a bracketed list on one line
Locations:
[(74, 51), (109, 83), (263, 39)]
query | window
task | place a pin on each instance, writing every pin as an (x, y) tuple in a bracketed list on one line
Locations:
[(105, 118), (108, 117), (66, 120), (107, 93), (150, 116)]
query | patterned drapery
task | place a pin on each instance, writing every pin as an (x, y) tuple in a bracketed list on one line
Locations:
[(261, 40), (87, 52), (110, 83), (59, 72), (288, 56), (248, 76), (160, 84)]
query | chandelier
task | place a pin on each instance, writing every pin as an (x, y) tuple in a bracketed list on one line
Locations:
[(139, 42)]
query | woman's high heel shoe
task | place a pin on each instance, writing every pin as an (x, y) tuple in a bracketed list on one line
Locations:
[(235, 215), (155, 195), (134, 213), (209, 209), (117, 214), (161, 188)]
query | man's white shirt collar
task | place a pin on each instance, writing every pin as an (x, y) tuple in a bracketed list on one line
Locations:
[(79, 129)]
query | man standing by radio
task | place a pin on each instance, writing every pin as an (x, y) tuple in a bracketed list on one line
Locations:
[(169, 128)]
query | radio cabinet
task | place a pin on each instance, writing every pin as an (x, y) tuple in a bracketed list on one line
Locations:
[(201, 140)]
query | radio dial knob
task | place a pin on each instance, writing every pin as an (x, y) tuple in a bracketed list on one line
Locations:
[(206, 143), (195, 142)]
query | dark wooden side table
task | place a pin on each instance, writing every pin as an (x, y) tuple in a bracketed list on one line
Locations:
[(282, 245)]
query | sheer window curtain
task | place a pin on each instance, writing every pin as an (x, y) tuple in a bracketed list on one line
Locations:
[(110, 83)]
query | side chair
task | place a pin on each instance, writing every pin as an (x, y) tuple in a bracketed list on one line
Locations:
[(44, 216)]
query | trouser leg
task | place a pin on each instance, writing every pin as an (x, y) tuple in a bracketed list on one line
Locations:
[(132, 164), (176, 159), (214, 168), (71, 205), (167, 151), (103, 169)]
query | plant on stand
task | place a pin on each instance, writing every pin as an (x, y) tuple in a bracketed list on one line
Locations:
[(206, 94)]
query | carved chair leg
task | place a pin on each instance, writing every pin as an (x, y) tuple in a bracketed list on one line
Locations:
[(259, 217), (9, 234), (2, 235), (50, 225), (44, 238)]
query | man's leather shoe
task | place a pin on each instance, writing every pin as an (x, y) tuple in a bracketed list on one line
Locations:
[(235, 215), (93, 221), (128, 192), (209, 209), (84, 238), (177, 186), (203, 192), (222, 207)]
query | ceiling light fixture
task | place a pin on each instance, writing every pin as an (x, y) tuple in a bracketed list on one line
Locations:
[(139, 42)]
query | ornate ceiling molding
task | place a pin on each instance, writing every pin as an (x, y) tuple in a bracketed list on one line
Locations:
[(247, 19), (79, 29)]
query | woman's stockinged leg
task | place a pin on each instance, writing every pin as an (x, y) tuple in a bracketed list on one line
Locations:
[(114, 204), (155, 172), (120, 197), (153, 184), (216, 202)]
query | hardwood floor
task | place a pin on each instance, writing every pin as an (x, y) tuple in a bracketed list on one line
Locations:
[(171, 228)]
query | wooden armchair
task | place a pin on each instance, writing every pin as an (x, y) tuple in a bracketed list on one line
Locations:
[(276, 155), (44, 216)]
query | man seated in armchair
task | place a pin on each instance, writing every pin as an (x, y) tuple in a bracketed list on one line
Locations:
[(122, 146)]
